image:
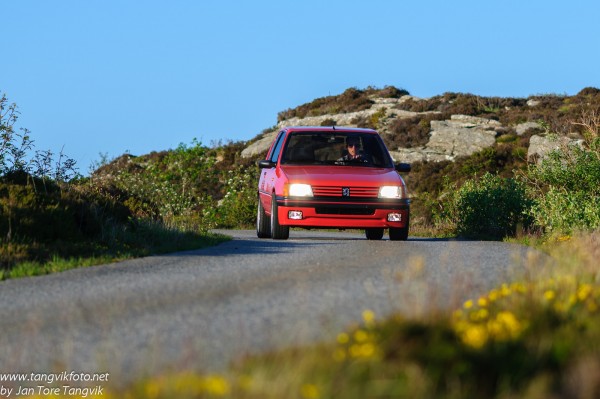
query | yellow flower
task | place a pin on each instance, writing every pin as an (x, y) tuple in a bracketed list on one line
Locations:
[(343, 338), (510, 323), (482, 302), (493, 295), (516, 287), (549, 295), (368, 317), (475, 336), (479, 315), (468, 304), (310, 391), (216, 385), (361, 336), (584, 291), (362, 350)]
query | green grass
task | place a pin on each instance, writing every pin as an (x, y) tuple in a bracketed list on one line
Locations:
[(148, 239)]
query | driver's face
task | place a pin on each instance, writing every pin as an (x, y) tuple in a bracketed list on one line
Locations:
[(352, 149)]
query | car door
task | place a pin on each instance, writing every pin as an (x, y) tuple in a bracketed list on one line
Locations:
[(268, 175)]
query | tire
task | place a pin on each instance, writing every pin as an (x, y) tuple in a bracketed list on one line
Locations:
[(263, 222), (278, 232), (374, 233), (399, 233)]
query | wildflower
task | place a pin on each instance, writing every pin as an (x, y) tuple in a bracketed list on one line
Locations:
[(365, 350), (482, 314), (510, 323), (549, 295), (216, 385), (475, 336), (482, 302), (493, 295), (368, 317), (310, 391), (343, 338), (516, 287), (468, 304), (584, 291), (361, 336)]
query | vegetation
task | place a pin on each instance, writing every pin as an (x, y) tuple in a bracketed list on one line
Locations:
[(351, 100), (52, 219)]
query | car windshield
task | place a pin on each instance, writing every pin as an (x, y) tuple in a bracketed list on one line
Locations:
[(336, 148)]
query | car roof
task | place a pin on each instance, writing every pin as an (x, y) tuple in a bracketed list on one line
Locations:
[(341, 129)]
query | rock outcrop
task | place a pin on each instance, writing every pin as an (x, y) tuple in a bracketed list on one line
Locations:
[(541, 146), (382, 106), (462, 135)]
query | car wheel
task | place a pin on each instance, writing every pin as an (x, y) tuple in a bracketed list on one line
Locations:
[(263, 223), (374, 233), (278, 232), (399, 233)]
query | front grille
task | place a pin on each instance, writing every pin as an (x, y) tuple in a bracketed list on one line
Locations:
[(336, 191), (330, 210)]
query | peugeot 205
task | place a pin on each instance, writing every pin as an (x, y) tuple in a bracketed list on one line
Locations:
[(331, 177)]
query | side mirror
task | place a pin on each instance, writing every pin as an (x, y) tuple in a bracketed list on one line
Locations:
[(402, 167), (265, 163)]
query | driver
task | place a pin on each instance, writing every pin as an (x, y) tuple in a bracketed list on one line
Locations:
[(352, 144)]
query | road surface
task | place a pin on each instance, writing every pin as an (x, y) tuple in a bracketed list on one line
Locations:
[(203, 308)]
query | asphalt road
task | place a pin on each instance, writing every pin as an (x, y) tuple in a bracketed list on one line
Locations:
[(203, 308)]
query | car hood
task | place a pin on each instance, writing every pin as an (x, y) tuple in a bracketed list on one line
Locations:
[(342, 175)]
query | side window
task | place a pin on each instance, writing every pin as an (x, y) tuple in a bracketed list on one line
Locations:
[(277, 148)]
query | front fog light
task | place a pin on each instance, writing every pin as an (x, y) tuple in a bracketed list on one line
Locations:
[(394, 217), (295, 215)]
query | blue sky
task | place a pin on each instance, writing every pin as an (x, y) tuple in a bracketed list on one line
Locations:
[(107, 77)]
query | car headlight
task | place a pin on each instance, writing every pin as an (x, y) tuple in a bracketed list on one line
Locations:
[(300, 190), (390, 192)]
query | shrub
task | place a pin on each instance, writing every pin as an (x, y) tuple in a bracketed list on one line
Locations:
[(238, 207), (491, 207), (411, 132), (566, 186)]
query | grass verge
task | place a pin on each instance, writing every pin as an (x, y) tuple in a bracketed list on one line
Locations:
[(145, 240)]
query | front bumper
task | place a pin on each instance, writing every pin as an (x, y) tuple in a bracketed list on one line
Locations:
[(343, 213)]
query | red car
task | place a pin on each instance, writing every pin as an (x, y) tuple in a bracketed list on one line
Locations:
[(331, 177)]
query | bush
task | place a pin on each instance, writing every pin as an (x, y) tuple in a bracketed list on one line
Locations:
[(237, 208), (491, 207), (566, 186)]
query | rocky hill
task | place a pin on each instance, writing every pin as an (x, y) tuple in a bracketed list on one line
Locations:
[(446, 127)]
